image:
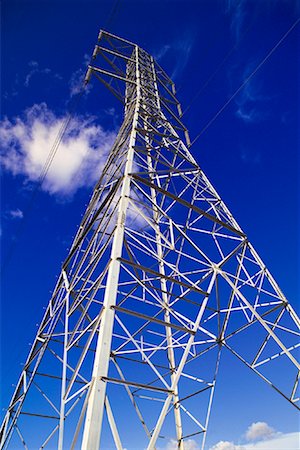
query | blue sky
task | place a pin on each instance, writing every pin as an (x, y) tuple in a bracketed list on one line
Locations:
[(249, 152)]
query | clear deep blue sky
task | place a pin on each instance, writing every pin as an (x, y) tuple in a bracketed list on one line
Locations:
[(250, 152)]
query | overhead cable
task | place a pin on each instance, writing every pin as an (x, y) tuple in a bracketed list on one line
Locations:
[(246, 81)]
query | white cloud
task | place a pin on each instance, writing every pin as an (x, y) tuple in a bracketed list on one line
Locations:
[(266, 439), (16, 214), (77, 78), (189, 444), (226, 445), (289, 441), (258, 431), (27, 141)]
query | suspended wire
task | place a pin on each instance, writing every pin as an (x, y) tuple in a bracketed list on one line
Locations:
[(211, 46), (219, 67), (113, 13), (246, 81), (72, 107), (75, 102)]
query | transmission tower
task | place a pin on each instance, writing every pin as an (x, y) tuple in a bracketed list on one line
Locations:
[(159, 279)]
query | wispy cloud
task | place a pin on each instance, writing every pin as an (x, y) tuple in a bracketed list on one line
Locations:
[(251, 103), (237, 11), (26, 142), (35, 69), (16, 214), (250, 156), (246, 116), (161, 53), (77, 78), (26, 77), (177, 53), (262, 437)]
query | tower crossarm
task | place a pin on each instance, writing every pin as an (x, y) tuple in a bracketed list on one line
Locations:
[(112, 62), (159, 279)]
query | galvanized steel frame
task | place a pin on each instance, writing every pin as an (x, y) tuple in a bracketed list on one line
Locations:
[(159, 278)]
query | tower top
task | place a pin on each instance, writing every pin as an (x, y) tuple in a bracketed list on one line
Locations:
[(111, 61), (159, 279)]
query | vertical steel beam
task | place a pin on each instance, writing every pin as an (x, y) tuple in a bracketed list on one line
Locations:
[(151, 138), (164, 288), (180, 367), (95, 408), (65, 362)]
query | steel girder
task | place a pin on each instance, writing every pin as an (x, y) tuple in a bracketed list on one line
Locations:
[(159, 279)]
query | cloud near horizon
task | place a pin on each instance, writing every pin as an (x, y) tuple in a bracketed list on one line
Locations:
[(262, 437), (27, 141), (259, 430), (189, 444)]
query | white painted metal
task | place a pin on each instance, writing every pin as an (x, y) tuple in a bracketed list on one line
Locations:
[(113, 426), (179, 370), (64, 370), (159, 279), (94, 415)]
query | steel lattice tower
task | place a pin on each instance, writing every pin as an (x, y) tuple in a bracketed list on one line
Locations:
[(159, 278)]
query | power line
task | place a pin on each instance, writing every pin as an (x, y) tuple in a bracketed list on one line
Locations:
[(209, 47), (112, 15), (72, 107), (219, 67), (246, 81)]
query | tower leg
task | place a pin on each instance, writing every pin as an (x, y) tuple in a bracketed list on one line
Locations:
[(95, 408)]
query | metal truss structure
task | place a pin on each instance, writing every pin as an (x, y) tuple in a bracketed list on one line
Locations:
[(160, 277)]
